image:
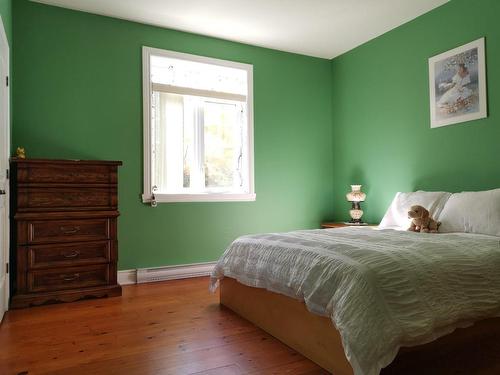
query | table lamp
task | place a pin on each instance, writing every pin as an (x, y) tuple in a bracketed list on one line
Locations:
[(355, 196)]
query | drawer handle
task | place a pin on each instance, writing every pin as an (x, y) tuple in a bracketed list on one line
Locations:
[(72, 254), (73, 277), (69, 230)]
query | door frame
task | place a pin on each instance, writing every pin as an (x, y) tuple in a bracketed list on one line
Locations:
[(4, 45)]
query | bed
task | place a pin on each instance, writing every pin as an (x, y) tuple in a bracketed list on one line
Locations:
[(350, 299)]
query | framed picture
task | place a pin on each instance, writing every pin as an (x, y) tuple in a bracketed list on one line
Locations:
[(457, 83)]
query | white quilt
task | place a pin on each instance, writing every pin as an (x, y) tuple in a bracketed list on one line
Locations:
[(383, 289)]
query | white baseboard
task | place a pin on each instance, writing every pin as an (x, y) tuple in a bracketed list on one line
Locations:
[(127, 277), (153, 274)]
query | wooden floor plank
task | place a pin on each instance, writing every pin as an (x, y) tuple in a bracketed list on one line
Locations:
[(174, 327)]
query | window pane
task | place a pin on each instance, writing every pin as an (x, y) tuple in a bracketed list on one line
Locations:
[(183, 73), (222, 133), (167, 140), (197, 144), (188, 149)]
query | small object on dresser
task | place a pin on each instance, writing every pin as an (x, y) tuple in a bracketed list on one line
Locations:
[(356, 196), (64, 220), (20, 153)]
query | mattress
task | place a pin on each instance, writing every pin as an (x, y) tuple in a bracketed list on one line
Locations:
[(383, 289)]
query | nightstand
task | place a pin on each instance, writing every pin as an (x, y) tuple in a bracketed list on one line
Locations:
[(343, 225)]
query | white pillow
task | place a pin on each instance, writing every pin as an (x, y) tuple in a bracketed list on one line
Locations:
[(396, 216), (472, 212)]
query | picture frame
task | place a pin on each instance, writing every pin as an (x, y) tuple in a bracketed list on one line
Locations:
[(457, 85)]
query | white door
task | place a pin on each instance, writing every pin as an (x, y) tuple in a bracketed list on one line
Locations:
[(4, 165)]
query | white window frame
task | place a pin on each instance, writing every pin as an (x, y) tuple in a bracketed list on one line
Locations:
[(147, 195)]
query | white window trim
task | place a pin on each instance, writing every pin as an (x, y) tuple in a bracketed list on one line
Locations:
[(147, 89), (197, 92)]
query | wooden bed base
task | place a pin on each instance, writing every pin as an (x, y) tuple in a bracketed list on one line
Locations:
[(316, 338)]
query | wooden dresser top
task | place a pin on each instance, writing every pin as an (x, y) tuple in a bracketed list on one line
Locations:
[(65, 161)]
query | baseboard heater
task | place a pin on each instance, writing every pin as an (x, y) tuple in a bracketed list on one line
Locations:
[(149, 275)]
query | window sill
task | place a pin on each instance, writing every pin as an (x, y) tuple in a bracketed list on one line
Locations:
[(170, 198)]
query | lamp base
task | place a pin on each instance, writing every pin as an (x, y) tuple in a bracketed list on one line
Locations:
[(356, 213)]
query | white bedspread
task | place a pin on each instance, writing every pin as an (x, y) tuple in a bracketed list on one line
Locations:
[(383, 289)]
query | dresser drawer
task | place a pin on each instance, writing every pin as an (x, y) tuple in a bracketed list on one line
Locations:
[(52, 231), (66, 198), (67, 278), (71, 254), (66, 173)]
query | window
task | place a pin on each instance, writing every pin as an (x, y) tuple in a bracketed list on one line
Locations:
[(198, 128)]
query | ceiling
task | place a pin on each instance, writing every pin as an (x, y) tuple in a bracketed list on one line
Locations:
[(321, 28)]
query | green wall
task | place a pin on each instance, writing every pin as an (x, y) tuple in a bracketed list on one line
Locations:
[(6, 13), (78, 94), (319, 125), (381, 124)]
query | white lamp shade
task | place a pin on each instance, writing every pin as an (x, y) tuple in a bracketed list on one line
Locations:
[(356, 195)]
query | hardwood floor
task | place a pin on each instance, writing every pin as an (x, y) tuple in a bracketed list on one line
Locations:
[(174, 327), (178, 327)]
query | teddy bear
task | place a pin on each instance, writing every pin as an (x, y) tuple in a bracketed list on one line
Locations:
[(421, 220)]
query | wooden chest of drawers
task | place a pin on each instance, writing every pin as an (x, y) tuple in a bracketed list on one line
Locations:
[(64, 230)]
